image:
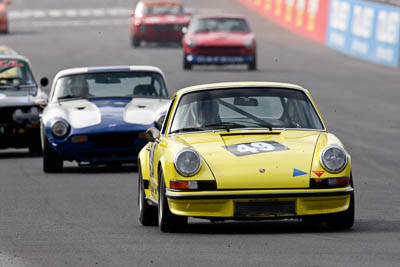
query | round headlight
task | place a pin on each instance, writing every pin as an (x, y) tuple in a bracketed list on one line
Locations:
[(249, 43), (333, 158), (60, 129), (191, 43), (187, 162)]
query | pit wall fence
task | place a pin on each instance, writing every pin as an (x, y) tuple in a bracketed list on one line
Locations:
[(362, 29)]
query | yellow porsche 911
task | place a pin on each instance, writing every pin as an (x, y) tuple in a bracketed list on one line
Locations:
[(244, 150)]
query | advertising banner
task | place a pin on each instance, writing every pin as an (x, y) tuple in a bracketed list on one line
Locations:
[(304, 17), (366, 30)]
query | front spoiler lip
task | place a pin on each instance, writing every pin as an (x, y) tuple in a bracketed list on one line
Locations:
[(314, 193)]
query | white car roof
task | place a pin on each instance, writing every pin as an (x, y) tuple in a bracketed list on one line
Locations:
[(82, 70)]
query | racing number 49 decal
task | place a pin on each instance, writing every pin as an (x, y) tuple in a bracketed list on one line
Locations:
[(245, 149)]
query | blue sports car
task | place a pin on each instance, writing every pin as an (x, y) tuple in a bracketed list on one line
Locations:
[(100, 115)]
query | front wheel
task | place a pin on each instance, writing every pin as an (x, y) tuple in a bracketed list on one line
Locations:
[(135, 41), (147, 213), (186, 64), (35, 147), (167, 221), (252, 65), (342, 220), (52, 162)]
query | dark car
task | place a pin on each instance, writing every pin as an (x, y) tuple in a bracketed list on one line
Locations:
[(19, 114)]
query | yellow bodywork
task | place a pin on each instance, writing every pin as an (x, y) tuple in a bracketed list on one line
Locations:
[(242, 179)]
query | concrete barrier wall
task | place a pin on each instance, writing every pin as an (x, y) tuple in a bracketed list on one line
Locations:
[(305, 17), (362, 29)]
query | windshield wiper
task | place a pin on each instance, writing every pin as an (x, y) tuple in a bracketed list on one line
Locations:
[(225, 125), (262, 125), (71, 97), (245, 113), (188, 129)]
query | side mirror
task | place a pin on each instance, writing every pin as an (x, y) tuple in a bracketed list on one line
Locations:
[(184, 30), (40, 102), (44, 82), (160, 121), (132, 14), (153, 134)]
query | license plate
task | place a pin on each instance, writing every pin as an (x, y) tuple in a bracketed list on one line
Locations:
[(264, 208)]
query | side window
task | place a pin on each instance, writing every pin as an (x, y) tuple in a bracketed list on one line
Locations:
[(164, 127)]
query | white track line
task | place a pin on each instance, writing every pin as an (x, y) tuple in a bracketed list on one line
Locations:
[(70, 23), (68, 13), (86, 12)]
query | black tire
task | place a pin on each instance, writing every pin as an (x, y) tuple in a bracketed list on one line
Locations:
[(52, 162), (35, 147), (342, 220), (5, 30), (147, 214), (167, 221), (186, 65), (252, 65), (135, 41)]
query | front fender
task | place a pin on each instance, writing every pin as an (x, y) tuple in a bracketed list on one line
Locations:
[(317, 171)]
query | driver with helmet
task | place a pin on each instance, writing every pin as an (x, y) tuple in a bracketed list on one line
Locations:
[(207, 112)]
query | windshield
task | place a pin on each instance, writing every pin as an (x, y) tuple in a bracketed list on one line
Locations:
[(111, 84), (219, 25), (167, 9), (16, 78), (245, 108)]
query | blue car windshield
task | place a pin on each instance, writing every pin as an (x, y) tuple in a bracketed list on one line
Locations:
[(111, 84), (16, 78), (245, 108)]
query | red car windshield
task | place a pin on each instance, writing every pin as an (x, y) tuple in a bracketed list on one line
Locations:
[(219, 25), (163, 10)]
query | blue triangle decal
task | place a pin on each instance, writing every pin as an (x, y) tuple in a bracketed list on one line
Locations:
[(297, 172)]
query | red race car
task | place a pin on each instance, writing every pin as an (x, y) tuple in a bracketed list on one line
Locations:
[(222, 39), (158, 21), (3, 16)]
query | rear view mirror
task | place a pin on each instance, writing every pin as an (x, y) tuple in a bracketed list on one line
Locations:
[(245, 101), (107, 80)]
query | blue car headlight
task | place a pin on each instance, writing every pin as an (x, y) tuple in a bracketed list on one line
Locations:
[(187, 162), (59, 128), (333, 158)]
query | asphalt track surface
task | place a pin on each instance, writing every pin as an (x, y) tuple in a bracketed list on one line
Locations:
[(88, 217)]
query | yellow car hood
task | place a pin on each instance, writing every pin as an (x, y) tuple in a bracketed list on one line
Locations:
[(257, 159)]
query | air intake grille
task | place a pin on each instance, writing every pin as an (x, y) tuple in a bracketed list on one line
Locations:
[(110, 140)]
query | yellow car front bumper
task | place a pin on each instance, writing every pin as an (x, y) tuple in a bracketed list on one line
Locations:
[(259, 203)]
